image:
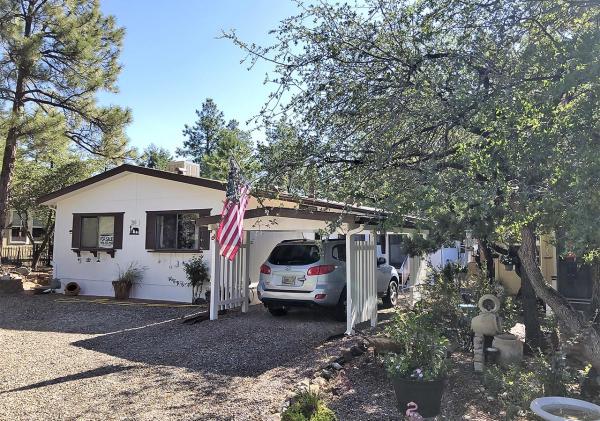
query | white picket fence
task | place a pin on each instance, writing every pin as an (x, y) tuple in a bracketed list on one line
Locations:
[(230, 280), (361, 281)]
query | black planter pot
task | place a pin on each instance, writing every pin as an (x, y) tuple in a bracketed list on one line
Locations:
[(426, 394)]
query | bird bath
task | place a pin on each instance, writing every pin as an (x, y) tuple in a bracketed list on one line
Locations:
[(555, 408)]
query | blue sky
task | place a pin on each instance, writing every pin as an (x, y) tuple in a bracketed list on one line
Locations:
[(172, 61)]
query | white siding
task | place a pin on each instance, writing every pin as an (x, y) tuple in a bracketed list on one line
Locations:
[(135, 194)]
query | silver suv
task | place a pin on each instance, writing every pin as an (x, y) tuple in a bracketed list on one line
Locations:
[(313, 273)]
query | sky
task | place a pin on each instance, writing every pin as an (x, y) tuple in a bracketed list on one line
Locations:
[(172, 61)]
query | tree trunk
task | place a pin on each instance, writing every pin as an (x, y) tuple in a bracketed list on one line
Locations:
[(534, 338), (44, 245), (487, 257), (595, 305), (570, 321), (10, 148)]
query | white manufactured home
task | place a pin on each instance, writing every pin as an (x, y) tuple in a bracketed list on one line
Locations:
[(160, 219)]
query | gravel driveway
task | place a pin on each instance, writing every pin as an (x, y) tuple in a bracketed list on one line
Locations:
[(82, 360)]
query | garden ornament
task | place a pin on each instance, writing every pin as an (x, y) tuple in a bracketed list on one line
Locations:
[(411, 412), (486, 323)]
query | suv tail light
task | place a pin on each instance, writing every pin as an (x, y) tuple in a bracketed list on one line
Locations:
[(320, 270), (265, 269)]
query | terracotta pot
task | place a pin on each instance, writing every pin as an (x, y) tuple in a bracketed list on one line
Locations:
[(426, 394), (122, 290), (72, 288)]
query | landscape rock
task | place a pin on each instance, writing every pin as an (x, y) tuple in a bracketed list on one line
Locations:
[(336, 366)]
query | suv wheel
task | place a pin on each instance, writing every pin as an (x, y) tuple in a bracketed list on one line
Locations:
[(278, 311), (391, 298)]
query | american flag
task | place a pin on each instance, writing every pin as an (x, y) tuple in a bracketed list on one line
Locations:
[(229, 234)]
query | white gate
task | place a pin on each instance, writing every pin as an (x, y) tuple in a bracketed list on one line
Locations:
[(229, 280), (361, 281)]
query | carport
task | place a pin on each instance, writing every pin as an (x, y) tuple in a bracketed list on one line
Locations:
[(230, 280)]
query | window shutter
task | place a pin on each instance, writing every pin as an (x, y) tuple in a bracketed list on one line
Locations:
[(204, 241), (118, 238), (76, 231), (150, 231)]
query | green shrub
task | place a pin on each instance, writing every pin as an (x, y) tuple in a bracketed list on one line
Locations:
[(516, 386), (132, 275), (308, 406), (197, 274), (424, 348), (440, 301)]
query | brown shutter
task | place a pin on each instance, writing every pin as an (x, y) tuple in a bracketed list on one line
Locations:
[(118, 238), (150, 231), (76, 231), (204, 242)]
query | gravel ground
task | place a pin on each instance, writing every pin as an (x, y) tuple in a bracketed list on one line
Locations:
[(86, 361), (363, 391)]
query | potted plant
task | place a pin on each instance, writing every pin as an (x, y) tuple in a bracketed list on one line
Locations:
[(418, 372), (127, 279), (197, 274)]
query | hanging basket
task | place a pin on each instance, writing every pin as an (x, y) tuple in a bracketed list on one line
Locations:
[(122, 289)]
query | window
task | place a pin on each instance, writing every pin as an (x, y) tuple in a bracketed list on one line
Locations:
[(381, 242), (176, 230), (294, 254), (38, 230), (17, 234), (97, 231), (339, 252)]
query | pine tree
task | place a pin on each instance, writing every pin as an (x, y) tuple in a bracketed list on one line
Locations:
[(56, 55), (202, 137)]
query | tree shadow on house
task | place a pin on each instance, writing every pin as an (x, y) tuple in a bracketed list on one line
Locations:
[(235, 345)]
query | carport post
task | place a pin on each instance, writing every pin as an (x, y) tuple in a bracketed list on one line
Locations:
[(215, 277), (349, 279), (245, 303), (374, 307)]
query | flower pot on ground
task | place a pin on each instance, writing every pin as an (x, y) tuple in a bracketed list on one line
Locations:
[(418, 372), (426, 394), (126, 280)]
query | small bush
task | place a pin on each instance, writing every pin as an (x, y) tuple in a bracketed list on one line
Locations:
[(424, 348), (516, 386), (132, 275), (308, 406), (197, 274)]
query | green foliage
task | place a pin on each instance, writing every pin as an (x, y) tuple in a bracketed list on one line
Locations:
[(232, 143), (544, 375), (308, 406), (440, 303), (132, 275), (197, 273), (154, 157), (424, 348), (56, 67), (211, 144)]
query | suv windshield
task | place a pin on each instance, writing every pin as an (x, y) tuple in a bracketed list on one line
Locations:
[(294, 254)]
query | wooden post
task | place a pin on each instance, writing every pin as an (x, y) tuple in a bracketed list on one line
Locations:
[(246, 272), (373, 286), (349, 281), (215, 277)]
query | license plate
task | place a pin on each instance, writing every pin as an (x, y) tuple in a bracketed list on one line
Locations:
[(288, 280)]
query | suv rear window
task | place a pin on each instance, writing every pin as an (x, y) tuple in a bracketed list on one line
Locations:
[(294, 254)]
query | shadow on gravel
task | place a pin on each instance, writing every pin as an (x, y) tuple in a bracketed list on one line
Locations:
[(49, 313), (235, 345), (97, 372)]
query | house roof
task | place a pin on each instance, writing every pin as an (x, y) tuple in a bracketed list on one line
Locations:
[(197, 181)]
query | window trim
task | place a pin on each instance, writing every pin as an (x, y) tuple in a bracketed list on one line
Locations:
[(117, 233)]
